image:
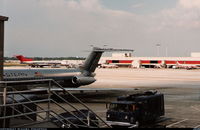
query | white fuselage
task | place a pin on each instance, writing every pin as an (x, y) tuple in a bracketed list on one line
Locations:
[(30, 74)]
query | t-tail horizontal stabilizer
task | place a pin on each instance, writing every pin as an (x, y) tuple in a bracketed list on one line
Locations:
[(110, 49), (92, 61)]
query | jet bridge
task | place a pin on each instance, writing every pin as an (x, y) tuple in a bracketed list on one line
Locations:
[(2, 20)]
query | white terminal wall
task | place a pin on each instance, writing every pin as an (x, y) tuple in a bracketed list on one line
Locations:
[(195, 54)]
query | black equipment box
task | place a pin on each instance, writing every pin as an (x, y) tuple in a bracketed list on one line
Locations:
[(137, 108)]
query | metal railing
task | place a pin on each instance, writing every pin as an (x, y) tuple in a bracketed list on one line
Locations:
[(14, 109)]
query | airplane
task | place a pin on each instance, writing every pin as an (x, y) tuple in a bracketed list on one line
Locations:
[(39, 64), (68, 78), (185, 66), (108, 66)]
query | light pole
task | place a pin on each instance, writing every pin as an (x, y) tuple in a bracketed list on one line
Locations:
[(166, 51), (158, 49)]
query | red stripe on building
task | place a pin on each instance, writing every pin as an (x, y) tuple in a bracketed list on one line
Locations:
[(181, 62), (126, 61), (192, 62), (151, 62), (170, 62), (119, 61), (145, 61), (109, 61)]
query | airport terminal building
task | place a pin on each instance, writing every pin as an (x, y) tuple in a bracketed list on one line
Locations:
[(128, 60)]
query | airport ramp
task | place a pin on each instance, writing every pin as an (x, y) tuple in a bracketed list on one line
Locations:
[(26, 109)]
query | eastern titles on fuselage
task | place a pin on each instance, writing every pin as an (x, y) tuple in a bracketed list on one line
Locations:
[(14, 75), (39, 73)]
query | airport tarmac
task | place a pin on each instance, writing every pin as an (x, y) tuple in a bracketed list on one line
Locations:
[(133, 78), (180, 87)]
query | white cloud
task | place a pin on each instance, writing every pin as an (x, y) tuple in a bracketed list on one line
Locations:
[(89, 13), (139, 5), (66, 27), (190, 4), (52, 3), (186, 15), (63, 24), (88, 5)]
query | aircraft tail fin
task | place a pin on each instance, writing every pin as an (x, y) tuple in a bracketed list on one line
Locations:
[(91, 63), (22, 58)]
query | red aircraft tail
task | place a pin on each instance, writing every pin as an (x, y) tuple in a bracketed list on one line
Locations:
[(22, 58)]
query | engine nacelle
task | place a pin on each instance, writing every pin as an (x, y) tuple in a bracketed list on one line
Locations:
[(83, 80)]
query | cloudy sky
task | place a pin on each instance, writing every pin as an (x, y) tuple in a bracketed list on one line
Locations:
[(69, 27)]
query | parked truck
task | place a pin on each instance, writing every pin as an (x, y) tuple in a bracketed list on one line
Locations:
[(136, 110)]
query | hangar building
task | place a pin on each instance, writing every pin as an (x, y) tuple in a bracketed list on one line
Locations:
[(128, 60)]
